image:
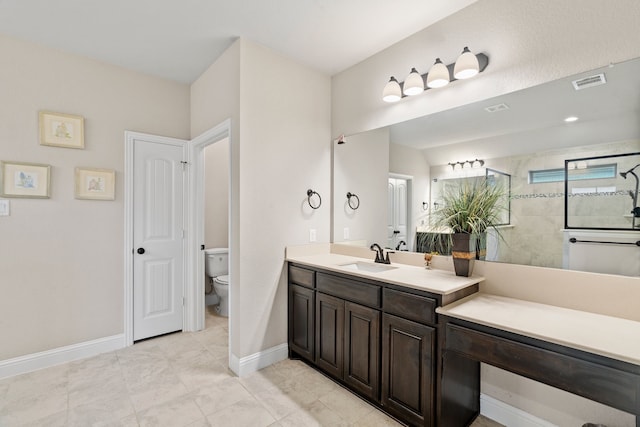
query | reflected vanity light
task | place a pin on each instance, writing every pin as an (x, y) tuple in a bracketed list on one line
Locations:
[(466, 66), (473, 164)]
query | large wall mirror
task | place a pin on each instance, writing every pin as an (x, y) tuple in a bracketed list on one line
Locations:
[(527, 136)]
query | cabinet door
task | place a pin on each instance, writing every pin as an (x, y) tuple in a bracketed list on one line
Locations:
[(407, 369), (329, 334), (301, 321), (362, 341)]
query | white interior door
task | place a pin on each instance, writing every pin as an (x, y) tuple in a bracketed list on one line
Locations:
[(158, 237), (397, 212)]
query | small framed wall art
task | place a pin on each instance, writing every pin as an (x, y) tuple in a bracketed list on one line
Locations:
[(95, 184), (61, 130), (30, 180)]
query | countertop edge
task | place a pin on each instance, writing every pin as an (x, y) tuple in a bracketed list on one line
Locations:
[(457, 310), (312, 261)]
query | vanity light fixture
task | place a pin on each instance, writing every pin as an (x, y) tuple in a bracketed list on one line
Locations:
[(477, 163), (414, 85), (439, 75), (473, 164), (456, 166)]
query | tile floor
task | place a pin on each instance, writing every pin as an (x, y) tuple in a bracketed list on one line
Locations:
[(182, 380)]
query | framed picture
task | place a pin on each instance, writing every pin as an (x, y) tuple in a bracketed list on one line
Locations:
[(61, 130), (95, 184), (25, 180)]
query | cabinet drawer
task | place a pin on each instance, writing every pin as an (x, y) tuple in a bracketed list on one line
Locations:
[(301, 276), (350, 290), (413, 307)]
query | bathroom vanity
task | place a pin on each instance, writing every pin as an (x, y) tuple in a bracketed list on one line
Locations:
[(411, 340), (591, 355), (374, 328)]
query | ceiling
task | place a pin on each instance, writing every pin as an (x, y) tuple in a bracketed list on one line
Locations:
[(179, 39), (534, 120)]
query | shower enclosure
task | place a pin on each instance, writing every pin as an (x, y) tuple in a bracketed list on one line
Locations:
[(601, 193)]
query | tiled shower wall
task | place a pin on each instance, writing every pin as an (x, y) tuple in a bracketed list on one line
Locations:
[(537, 210)]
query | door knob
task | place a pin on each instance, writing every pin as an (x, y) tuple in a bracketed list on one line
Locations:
[(140, 251)]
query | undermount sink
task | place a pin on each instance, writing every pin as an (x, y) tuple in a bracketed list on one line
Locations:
[(368, 267)]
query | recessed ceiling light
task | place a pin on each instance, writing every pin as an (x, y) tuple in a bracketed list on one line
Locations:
[(571, 119)]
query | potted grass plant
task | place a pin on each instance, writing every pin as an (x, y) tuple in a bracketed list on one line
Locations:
[(469, 209)]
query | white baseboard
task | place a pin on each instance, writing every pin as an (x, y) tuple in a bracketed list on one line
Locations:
[(508, 415), (33, 362), (257, 361)]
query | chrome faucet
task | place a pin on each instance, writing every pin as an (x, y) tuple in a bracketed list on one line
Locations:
[(380, 257)]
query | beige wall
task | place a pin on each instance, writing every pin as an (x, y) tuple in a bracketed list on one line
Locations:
[(409, 161), (529, 43), (61, 259), (361, 166), (216, 191), (284, 150), (280, 147), (215, 97)]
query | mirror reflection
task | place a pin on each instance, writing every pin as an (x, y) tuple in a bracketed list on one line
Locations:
[(527, 136)]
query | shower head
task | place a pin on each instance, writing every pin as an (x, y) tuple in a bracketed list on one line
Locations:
[(624, 174)]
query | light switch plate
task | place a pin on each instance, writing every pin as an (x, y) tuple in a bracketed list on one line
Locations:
[(312, 235), (345, 233), (4, 208)]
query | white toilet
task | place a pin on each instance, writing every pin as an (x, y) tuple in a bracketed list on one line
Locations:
[(217, 267)]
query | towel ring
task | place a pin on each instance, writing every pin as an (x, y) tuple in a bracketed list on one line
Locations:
[(349, 197), (311, 193)]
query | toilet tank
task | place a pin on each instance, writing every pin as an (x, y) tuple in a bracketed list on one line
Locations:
[(216, 261)]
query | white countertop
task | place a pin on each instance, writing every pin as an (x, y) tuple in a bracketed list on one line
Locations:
[(604, 335), (436, 281)]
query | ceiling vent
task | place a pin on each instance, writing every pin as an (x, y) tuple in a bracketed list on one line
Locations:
[(496, 108), (590, 81)]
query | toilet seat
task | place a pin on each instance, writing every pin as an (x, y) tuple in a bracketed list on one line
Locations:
[(223, 280)]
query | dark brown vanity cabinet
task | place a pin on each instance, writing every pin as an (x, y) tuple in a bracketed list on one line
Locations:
[(408, 352), (348, 333), (330, 334), (301, 306), (362, 349), (376, 338)]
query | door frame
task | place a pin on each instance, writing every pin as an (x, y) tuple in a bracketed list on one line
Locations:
[(409, 179), (193, 290)]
